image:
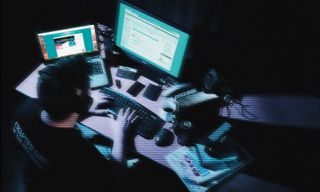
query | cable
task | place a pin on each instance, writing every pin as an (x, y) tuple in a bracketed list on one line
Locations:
[(230, 102), (244, 111)]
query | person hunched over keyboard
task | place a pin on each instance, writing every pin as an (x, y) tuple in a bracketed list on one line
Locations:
[(149, 123)]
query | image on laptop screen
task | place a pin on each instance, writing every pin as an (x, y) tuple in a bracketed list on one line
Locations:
[(76, 40), (152, 41), (65, 42)]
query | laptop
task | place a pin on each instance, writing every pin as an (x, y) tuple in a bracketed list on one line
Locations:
[(72, 41)]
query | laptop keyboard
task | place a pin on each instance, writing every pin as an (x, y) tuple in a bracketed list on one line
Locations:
[(96, 67)]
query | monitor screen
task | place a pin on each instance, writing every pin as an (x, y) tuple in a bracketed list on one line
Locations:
[(150, 40), (60, 43)]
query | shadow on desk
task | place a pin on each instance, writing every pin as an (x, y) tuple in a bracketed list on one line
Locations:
[(247, 183), (149, 176)]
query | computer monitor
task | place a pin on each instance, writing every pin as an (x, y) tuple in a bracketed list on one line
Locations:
[(150, 40), (65, 42)]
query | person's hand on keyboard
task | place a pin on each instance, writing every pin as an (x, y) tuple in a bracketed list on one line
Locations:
[(125, 118), (100, 103), (121, 128)]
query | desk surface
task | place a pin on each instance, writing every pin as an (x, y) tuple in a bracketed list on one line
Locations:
[(147, 148), (103, 125)]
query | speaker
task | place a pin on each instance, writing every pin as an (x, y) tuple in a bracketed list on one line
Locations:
[(210, 81)]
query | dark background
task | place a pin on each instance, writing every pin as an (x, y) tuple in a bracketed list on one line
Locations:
[(261, 47)]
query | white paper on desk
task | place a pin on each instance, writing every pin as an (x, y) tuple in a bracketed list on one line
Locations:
[(215, 163), (186, 163), (28, 86)]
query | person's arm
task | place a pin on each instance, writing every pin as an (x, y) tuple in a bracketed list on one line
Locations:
[(100, 103), (120, 126), (120, 137)]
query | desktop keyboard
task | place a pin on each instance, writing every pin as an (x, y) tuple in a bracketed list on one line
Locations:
[(149, 123)]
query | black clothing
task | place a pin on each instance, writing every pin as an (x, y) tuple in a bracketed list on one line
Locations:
[(67, 161)]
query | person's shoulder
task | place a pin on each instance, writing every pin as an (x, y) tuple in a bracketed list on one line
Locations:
[(28, 103), (27, 109)]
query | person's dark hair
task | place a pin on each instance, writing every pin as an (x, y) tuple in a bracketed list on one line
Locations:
[(62, 87)]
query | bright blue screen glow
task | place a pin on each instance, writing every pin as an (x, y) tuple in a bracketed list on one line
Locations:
[(60, 43), (151, 40)]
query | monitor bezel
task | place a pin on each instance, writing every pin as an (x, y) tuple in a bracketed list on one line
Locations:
[(143, 62), (52, 60)]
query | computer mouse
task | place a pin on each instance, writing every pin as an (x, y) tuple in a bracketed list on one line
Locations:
[(164, 137), (118, 83)]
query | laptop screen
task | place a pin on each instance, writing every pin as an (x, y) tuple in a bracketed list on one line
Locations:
[(65, 42)]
